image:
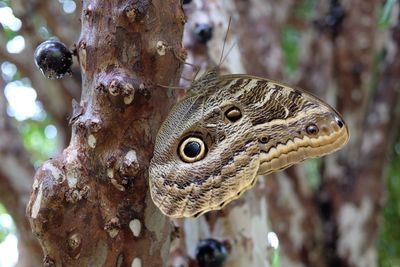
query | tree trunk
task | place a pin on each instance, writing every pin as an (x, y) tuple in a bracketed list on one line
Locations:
[(91, 205)]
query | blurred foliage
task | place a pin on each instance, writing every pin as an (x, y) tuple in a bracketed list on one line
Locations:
[(4, 231), (4, 3), (313, 171), (290, 48), (35, 140), (276, 258), (8, 33), (385, 14), (389, 238)]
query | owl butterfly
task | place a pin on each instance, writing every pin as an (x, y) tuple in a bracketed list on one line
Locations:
[(228, 130)]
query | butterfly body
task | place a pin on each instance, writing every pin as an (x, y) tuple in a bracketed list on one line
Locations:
[(227, 131)]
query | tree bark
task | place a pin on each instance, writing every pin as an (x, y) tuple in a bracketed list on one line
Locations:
[(335, 222), (91, 205)]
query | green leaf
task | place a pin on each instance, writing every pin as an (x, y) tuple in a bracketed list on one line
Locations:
[(2, 209), (385, 14), (276, 258), (3, 230)]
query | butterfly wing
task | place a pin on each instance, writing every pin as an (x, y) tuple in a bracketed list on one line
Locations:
[(212, 146)]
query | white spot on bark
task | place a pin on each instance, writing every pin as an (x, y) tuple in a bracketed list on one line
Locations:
[(332, 168), (352, 240), (128, 99), (72, 178), (72, 172), (130, 166), (92, 141), (131, 13), (110, 173), (113, 89), (161, 47), (137, 262), (55, 172), (136, 226), (128, 93), (113, 232), (131, 157), (37, 203), (375, 138), (383, 113), (273, 240)]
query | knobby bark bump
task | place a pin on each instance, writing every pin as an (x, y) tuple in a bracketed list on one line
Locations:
[(90, 206)]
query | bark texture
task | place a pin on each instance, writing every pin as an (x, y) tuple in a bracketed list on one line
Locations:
[(91, 206)]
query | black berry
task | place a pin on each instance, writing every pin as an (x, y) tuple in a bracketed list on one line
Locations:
[(54, 59), (211, 253), (203, 33)]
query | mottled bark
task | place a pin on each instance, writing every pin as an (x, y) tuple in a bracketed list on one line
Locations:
[(91, 205), (356, 190), (336, 223)]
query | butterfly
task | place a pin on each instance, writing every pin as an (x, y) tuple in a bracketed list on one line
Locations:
[(228, 130)]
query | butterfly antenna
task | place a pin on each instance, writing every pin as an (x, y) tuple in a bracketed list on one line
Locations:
[(223, 46), (171, 87), (195, 67), (230, 49)]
